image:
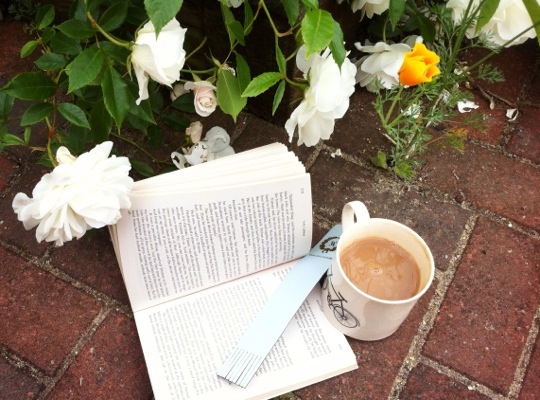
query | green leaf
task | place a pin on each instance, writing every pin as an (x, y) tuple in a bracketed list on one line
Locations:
[(44, 16), (236, 30), (175, 121), (533, 9), (262, 83), (380, 160), (100, 122), (155, 134), (85, 68), (337, 45), (396, 10), (76, 29), (73, 114), (50, 62), (310, 4), (280, 59), (31, 86), (278, 96), (184, 103), (114, 16), (6, 105), (76, 138), (36, 113), (228, 94), (116, 53), (427, 28), (116, 95), (248, 18), (486, 13), (11, 140), (142, 168), (317, 31), (242, 72), (63, 44), (229, 20), (161, 12), (404, 170), (29, 48), (292, 10)]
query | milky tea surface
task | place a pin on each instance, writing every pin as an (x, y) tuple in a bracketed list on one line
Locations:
[(381, 268)]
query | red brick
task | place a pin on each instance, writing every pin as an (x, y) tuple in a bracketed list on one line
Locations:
[(531, 382), (42, 316), (488, 180), (440, 224), (16, 385), (525, 140), (7, 169), (12, 230), (110, 365), (92, 260), (532, 91), (487, 312), (12, 39), (517, 63), (425, 383), (379, 363)]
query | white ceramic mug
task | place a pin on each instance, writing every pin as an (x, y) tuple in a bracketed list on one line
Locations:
[(351, 310)]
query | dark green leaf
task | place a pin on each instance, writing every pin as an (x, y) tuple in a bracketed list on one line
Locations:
[(6, 105), (47, 34), (44, 16), (29, 48), (228, 94), (116, 53), (100, 122), (50, 61), (155, 134), (35, 113), (228, 20), (184, 103), (242, 72), (533, 8), (76, 29), (262, 83), (142, 168), (116, 95), (161, 12), (236, 29), (292, 9), (317, 31), (427, 28), (63, 44), (278, 96), (337, 45), (114, 16), (396, 10), (486, 13), (11, 140), (248, 18), (31, 86), (85, 68), (76, 138), (73, 114), (175, 121)]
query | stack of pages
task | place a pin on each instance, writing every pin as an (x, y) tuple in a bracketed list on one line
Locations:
[(201, 251)]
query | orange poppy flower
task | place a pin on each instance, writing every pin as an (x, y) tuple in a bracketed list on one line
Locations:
[(419, 66)]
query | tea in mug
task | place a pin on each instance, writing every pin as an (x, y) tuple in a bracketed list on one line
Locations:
[(381, 268)]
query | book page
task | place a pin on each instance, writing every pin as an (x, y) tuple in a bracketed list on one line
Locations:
[(186, 340), (170, 245)]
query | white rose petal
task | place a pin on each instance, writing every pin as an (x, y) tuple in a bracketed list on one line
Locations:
[(512, 114), (161, 58), (466, 106), (204, 97), (80, 193)]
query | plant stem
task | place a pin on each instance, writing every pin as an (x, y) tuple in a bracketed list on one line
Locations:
[(392, 106), (131, 142), (274, 28), (109, 37)]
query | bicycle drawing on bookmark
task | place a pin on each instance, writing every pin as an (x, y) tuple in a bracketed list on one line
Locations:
[(336, 301)]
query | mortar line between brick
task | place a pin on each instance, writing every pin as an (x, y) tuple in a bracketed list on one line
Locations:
[(524, 359), (428, 321), (458, 377), (500, 149), (75, 350), (24, 366)]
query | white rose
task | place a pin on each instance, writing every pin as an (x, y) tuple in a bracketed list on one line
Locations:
[(326, 99), (80, 193), (161, 58), (234, 3), (205, 97), (510, 18), (380, 69), (370, 7)]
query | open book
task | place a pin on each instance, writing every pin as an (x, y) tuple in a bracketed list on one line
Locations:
[(201, 250)]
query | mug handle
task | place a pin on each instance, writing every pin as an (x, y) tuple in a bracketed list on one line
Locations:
[(351, 210)]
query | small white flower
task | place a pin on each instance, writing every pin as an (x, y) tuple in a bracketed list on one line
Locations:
[(370, 7), (177, 91), (216, 144), (204, 97), (80, 193), (381, 67), (194, 131), (161, 58), (326, 99), (466, 106)]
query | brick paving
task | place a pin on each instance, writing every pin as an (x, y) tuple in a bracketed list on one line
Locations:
[(66, 328)]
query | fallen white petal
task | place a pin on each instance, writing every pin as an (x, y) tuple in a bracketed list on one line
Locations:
[(466, 106)]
